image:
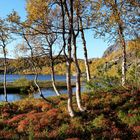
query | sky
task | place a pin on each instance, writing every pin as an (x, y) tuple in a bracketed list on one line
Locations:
[(95, 47)]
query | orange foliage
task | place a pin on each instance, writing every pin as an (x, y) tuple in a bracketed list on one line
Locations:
[(137, 128), (22, 125), (43, 106), (6, 134), (16, 118), (53, 112)]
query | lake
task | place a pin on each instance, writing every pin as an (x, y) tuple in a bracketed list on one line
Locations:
[(46, 92), (41, 77)]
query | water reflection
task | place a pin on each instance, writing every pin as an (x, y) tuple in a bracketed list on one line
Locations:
[(46, 93), (13, 97)]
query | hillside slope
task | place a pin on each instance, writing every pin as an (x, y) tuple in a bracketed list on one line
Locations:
[(110, 63)]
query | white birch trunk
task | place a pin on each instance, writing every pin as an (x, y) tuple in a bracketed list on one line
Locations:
[(85, 52), (123, 45), (53, 81), (5, 71), (78, 77), (69, 88)]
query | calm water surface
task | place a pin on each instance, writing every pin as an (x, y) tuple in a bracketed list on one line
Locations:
[(46, 92), (13, 77)]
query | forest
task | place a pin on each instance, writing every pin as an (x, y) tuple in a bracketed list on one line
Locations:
[(96, 98)]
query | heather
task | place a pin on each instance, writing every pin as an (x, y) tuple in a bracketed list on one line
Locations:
[(109, 115)]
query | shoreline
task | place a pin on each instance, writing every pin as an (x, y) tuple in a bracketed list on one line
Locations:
[(11, 87)]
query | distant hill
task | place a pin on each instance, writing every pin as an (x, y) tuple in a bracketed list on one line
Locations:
[(111, 61), (22, 65), (9, 60), (111, 49)]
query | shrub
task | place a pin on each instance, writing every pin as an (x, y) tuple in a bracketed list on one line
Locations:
[(31, 132), (116, 99), (2, 104), (99, 122), (43, 106), (16, 118), (22, 125), (104, 83), (133, 76), (62, 130), (129, 118), (76, 122)]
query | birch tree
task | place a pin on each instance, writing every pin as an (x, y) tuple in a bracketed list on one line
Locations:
[(20, 29), (68, 54), (83, 13), (5, 39), (113, 19)]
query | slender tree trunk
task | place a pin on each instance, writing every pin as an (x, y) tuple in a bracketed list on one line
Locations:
[(52, 70), (53, 79), (36, 76), (70, 105), (121, 39), (35, 82), (34, 67), (85, 51), (68, 78), (69, 88), (38, 87), (78, 75), (5, 71), (123, 44), (68, 55)]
